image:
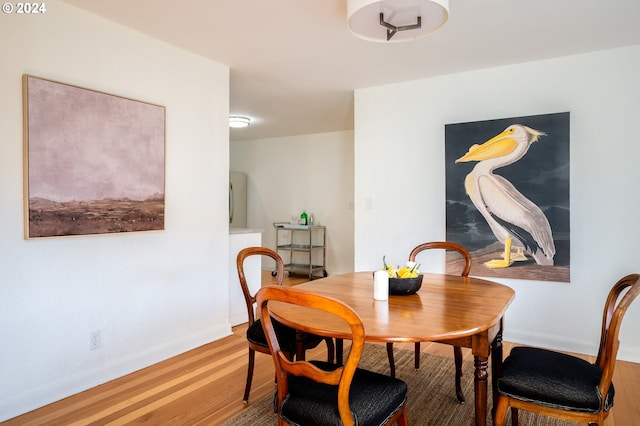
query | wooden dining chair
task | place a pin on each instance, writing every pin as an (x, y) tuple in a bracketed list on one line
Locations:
[(322, 393), (457, 351), (255, 335), (563, 386)]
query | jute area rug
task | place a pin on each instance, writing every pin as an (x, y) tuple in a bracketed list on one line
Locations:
[(431, 395)]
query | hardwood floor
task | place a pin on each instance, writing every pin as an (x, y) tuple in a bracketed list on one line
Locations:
[(205, 386)]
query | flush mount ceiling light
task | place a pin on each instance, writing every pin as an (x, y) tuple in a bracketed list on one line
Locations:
[(239, 121), (396, 20)]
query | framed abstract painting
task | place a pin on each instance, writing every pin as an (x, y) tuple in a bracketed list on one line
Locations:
[(94, 163)]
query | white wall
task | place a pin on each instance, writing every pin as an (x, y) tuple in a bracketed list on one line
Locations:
[(399, 149), (312, 172), (152, 294)]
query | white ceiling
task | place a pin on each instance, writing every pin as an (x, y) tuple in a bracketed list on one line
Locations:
[(294, 64)]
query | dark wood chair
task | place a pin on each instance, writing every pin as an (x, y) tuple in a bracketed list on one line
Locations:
[(563, 386), (457, 351), (255, 335), (322, 393)]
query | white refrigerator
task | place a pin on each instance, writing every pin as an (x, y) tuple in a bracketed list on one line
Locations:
[(237, 199)]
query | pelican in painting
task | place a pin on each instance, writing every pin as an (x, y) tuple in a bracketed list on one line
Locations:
[(514, 219)]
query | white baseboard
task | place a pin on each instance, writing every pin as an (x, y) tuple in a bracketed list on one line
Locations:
[(562, 343)]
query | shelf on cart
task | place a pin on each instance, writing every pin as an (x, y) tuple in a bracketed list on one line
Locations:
[(298, 247), (302, 266), (284, 225)]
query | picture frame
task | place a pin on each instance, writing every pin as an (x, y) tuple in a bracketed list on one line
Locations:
[(537, 182), (94, 162)]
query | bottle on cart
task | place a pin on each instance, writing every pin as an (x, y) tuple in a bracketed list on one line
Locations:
[(304, 220), (311, 219)]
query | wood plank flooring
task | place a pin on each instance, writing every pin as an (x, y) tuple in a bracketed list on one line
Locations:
[(205, 386)]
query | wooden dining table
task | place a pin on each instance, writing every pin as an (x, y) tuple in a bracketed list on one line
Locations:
[(461, 311)]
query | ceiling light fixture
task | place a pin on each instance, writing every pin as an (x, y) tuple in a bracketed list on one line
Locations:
[(238, 121), (396, 20)]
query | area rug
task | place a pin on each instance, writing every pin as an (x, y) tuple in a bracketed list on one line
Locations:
[(431, 396)]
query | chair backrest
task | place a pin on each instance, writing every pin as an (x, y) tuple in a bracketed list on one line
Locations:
[(614, 309), (445, 246), (243, 254), (342, 376)]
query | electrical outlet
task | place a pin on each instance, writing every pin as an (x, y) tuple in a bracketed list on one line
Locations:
[(95, 340)]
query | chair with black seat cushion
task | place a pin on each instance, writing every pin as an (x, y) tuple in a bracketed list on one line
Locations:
[(255, 335), (317, 393), (563, 386), (457, 351)]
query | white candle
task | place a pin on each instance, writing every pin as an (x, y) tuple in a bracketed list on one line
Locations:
[(381, 285)]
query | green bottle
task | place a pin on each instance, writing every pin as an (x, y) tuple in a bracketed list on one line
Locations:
[(304, 219)]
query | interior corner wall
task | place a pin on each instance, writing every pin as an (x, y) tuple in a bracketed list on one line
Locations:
[(309, 172), (400, 180), (151, 294)]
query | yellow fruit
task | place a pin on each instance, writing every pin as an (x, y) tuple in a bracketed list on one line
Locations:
[(404, 272), (391, 270), (407, 273)]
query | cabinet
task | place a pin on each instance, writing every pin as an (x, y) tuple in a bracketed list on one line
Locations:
[(239, 239), (302, 248)]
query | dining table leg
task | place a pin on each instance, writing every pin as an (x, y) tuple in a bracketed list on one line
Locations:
[(496, 366), (481, 364), (485, 344)]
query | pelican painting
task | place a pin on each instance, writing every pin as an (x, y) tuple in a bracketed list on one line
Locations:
[(514, 219)]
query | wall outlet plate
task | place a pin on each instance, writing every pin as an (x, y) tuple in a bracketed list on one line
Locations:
[(95, 340)]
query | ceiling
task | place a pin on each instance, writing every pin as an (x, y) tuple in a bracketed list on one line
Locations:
[(294, 64)]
